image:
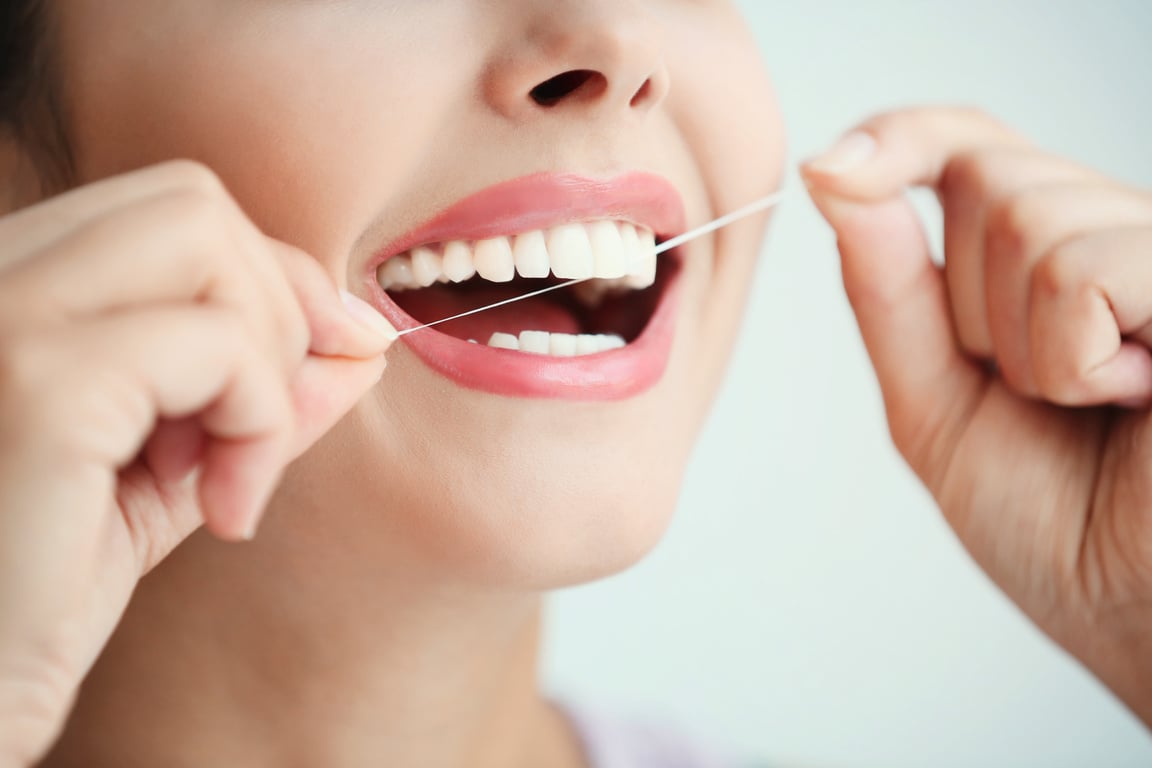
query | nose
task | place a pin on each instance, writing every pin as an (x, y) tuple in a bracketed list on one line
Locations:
[(577, 55)]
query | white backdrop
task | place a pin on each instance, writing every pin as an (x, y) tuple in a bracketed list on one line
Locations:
[(808, 603)]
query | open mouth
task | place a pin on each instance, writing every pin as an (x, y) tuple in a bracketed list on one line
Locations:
[(607, 338), (617, 259)]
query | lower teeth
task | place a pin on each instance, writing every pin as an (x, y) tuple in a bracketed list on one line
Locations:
[(557, 344)]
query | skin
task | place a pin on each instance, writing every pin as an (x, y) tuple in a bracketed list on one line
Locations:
[(1017, 379), (403, 557), (388, 610)]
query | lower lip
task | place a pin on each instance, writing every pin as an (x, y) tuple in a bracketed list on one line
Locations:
[(615, 375)]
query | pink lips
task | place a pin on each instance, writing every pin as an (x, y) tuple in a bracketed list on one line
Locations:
[(540, 202)]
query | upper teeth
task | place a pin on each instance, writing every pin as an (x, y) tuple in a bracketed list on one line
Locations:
[(619, 252)]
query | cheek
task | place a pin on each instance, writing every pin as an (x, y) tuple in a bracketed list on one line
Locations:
[(726, 108), (309, 136), (313, 142)]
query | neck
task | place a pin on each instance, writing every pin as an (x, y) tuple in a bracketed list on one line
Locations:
[(260, 655)]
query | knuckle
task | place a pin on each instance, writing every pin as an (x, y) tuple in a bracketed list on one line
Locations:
[(201, 200), (976, 175), (198, 207), (966, 174), (1057, 276), (1060, 360), (1014, 227), (203, 218), (1060, 385), (193, 176)]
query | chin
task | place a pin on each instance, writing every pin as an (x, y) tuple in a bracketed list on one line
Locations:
[(576, 541), (539, 512), (585, 537), (541, 445), (433, 482)]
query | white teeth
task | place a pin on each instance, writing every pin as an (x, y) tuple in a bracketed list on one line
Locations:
[(557, 344), (611, 342), (427, 266), (631, 240), (562, 345), (396, 273), (643, 274), (531, 255), (571, 252), (620, 254), (536, 342), (607, 250), (504, 341), (587, 345), (494, 260), (458, 263)]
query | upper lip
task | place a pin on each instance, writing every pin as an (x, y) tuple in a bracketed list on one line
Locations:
[(547, 200)]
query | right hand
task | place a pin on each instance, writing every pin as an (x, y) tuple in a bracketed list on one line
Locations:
[(161, 362), (1018, 377)]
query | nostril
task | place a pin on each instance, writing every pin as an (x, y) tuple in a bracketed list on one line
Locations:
[(643, 95), (556, 89)]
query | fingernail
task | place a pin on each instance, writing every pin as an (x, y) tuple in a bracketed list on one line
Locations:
[(851, 152), (367, 315)]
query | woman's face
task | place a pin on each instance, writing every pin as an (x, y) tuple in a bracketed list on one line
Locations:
[(359, 130)]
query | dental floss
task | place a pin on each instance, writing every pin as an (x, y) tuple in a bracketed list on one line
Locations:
[(752, 208)]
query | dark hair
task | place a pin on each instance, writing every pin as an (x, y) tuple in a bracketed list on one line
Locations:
[(29, 111), (21, 34)]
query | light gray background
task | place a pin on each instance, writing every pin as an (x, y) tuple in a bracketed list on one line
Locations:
[(808, 603)]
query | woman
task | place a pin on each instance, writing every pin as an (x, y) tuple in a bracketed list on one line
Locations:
[(173, 356)]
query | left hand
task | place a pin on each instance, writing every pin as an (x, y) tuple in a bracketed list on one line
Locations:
[(1017, 379)]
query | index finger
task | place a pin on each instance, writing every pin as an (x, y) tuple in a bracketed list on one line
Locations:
[(915, 147), (30, 230)]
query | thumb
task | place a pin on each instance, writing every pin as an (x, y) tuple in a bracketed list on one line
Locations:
[(901, 305), (340, 323)]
